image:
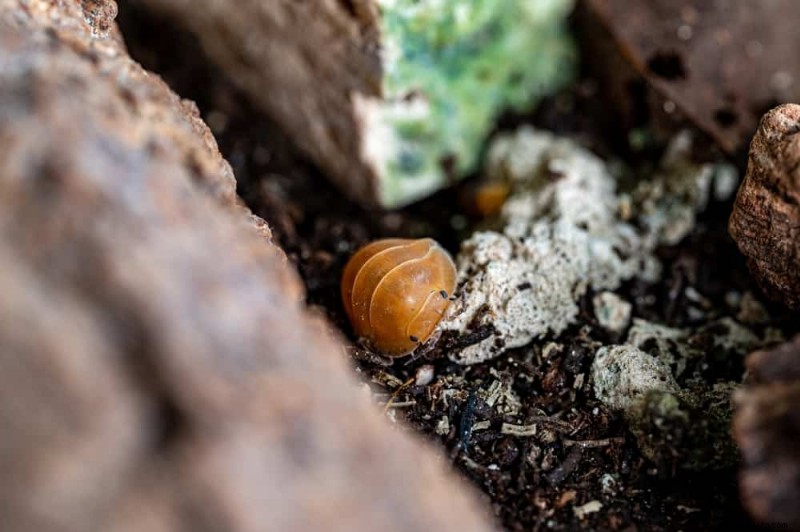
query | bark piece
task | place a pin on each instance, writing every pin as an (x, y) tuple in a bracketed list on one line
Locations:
[(766, 427), (766, 216), (157, 368), (719, 63), (301, 62)]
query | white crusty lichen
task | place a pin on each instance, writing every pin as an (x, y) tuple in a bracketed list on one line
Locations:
[(565, 229), (679, 348), (561, 235)]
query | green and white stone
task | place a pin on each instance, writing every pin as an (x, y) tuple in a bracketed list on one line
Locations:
[(450, 68)]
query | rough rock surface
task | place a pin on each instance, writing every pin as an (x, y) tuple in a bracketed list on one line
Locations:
[(157, 370), (624, 374), (766, 216), (612, 312), (766, 427)]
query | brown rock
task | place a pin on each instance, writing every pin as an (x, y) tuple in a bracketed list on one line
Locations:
[(301, 63), (766, 216), (718, 63), (766, 427), (781, 364), (157, 370)]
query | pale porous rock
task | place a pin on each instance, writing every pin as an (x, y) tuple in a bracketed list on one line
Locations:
[(612, 312), (565, 230), (656, 381), (623, 375), (669, 345)]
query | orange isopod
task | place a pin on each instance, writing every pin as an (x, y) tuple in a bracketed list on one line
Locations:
[(395, 291)]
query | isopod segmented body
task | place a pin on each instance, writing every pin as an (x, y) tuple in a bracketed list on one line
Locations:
[(395, 292)]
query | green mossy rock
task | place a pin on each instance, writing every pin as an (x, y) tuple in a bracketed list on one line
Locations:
[(451, 66)]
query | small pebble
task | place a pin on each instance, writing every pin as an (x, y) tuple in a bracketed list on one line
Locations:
[(613, 313), (424, 375)]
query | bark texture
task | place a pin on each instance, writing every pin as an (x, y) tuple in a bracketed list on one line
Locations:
[(718, 64), (766, 216), (300, 62), (157, 368), (766, 426)]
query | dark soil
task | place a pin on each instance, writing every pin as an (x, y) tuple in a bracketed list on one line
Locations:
[(580, 452)]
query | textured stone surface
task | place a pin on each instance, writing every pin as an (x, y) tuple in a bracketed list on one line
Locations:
[(766, 427), (560, 237), (623, 375), (157, 369), (766, 216)]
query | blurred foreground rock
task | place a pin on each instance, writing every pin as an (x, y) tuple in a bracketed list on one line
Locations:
[(157, 369), (766, 216), (766, 427), (719, 64)]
